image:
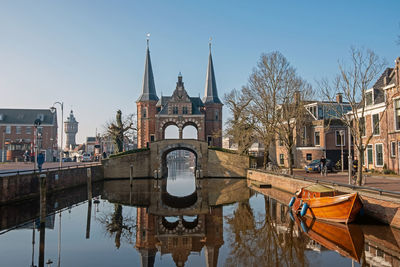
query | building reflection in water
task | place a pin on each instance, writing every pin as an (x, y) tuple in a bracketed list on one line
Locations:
[(258, 229)]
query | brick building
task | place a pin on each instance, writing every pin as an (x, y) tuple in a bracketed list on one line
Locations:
[(320, 135), (382, 121), (154, 115), (17, 133)]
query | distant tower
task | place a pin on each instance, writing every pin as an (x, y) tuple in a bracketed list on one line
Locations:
[(146, 105), (70, 128), (212, 107)]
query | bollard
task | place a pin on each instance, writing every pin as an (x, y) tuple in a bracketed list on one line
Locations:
[(130, 175)]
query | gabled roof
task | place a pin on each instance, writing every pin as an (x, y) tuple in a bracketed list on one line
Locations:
[(149, 88), (380, 83), (210, 91), (27, 116)]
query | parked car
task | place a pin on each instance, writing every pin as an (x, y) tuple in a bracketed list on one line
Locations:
[(86, 157), (67, 160), (315, 166)]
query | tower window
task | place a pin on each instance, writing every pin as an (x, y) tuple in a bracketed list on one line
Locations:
[(216, 115), (144, 112)]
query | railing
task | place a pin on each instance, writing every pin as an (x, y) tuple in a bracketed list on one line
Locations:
[(332, 183), (29, 171)]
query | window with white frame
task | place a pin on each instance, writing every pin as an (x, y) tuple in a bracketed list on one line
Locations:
[(362, 126), (375, 124), (370, 158), (18, 129), (281, 159), (339, 138), (397, 113), (316, 139), (28, 130), (8, 129), (378, 155), (393, 149), (369, 98)]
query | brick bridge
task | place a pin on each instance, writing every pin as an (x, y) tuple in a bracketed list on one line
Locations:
[(152, 163)]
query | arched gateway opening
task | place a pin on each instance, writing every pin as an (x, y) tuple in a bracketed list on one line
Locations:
[(179, 165)]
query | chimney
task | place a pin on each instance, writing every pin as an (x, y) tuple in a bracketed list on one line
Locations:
[(397, 70), (339, 97), (297, 97)]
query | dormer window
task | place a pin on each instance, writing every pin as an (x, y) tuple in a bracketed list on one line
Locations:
[(369, 99)]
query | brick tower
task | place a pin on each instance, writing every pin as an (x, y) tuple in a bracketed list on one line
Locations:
[(146, 105), (212, 107)]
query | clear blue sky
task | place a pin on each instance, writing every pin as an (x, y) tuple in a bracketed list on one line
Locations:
[(90, 54)]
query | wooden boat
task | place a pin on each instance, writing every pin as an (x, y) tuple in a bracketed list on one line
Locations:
[(347, 240), (321, 202)]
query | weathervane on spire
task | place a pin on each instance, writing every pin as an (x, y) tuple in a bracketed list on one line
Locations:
[(209, 43), (148, 39)]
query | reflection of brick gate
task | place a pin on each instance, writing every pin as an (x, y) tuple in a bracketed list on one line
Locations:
[(160, 150)]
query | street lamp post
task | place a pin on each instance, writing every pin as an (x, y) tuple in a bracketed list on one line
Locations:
[(3, 151), (53, 109), (36, 123), (341, 148)]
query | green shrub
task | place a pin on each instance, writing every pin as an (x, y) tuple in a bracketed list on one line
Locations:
[(129, 152)]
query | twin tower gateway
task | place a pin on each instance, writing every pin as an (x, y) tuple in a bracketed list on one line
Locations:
[(154, 115)]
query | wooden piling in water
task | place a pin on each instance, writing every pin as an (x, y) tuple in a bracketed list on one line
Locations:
[(89, 192), (42, 190)]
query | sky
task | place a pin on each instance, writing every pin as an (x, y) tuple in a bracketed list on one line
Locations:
[(90, 54)]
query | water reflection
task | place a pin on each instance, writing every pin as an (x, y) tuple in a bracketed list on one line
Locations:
[(181, 168), (228, 224)]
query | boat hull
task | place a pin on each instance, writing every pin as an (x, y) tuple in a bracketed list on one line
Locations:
[(340, 208), (347, 240)]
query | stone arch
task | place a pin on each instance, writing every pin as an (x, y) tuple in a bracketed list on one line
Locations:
[(195, 125), (164, 125), (179, 146)]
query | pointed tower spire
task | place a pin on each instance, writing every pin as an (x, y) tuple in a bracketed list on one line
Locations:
[(149, 88), (210, 91)]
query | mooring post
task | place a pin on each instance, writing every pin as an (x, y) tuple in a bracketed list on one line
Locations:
[(130, 175), (89, 183), (89, 192), (89, 213), (42, 192)]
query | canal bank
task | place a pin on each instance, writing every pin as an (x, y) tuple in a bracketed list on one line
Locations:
[(25, 185), (380, 205)]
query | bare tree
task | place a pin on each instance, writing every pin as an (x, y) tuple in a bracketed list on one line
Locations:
[(120, 129), (277, 94), (240, 126), (353, 81), (265, 84)]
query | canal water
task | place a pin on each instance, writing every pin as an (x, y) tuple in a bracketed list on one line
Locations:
[(181, 221)]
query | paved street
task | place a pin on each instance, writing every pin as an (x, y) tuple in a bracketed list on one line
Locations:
[(384, 182)]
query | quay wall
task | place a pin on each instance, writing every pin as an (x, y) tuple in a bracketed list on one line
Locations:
[(224, 164), (383, 208), (119, 167), (21, 187)]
